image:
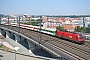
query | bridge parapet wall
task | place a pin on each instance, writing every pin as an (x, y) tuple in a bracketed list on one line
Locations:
[(0, 32)]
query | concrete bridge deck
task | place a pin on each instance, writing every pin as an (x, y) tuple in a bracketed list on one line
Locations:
[(49, 47)]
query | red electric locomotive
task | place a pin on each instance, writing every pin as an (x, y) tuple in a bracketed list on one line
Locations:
[(76, 37)]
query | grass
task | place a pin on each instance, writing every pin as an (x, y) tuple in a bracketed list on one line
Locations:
[(3, 47)]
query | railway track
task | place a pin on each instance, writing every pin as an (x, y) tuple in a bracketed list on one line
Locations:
[(76, 51), (86, 44), (68, 47)]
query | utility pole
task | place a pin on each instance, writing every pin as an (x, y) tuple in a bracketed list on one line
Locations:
[(84, 27), (17, 20), (22, 18), (0, 20), (19, 24), (8, 20), (29, 19), (40, 35), (47, 21)]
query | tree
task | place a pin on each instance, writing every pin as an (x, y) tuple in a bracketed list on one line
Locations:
[(60, 28), (78, 29), (87, 30), (34, 22)]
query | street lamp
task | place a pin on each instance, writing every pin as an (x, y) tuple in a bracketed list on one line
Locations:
[(16, 49)]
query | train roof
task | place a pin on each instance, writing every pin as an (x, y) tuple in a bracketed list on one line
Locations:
[(70, 32), (51, 29)]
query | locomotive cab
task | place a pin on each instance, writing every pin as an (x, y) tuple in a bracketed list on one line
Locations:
[(80, 38)]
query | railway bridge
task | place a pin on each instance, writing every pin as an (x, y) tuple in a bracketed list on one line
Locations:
[(55, 46)]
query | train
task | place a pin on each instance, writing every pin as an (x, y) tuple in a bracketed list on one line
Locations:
[(72, 36)]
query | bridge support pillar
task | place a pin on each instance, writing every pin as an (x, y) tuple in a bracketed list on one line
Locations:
[(17, 38), (12, 36), (0, 32), (8, 34), (22, 39), (31, 46), (3, 32)]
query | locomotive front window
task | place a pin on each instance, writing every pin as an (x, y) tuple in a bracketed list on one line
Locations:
[(80, 36)]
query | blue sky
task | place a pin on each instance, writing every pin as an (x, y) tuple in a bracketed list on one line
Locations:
[(45, 7)]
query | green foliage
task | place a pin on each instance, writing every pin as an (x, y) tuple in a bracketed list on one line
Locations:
[(60, 28), (28, 23), (87, 30), (78, 29), (4, 47), (34, 22)]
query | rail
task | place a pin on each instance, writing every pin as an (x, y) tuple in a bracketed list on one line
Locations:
[(58, 50)]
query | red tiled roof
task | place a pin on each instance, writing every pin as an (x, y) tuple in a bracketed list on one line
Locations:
[(69, 27), (44, 18), (51, 26), (63, 20), (57, 18)]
